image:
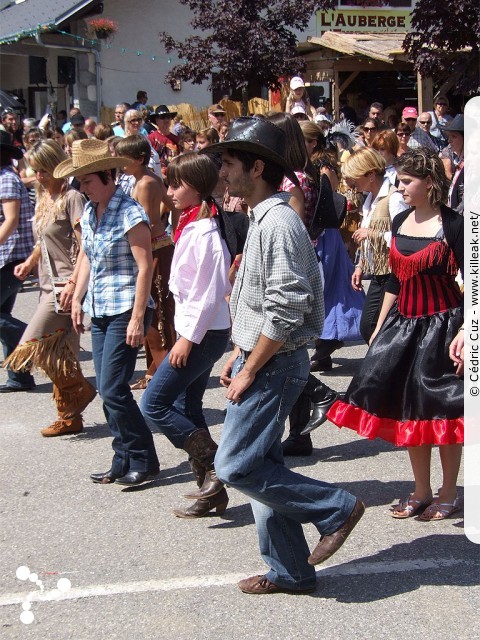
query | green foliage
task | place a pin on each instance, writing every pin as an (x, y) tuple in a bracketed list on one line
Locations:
[(445, 42), (245, 41)]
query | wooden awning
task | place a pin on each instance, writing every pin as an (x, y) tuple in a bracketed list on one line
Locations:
[(386, 47)]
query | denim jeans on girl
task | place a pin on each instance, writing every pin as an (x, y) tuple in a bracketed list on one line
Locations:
[(115, 363), (173, 399), (250, 459)]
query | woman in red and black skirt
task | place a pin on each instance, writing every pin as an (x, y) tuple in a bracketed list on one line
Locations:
[(409, 390)]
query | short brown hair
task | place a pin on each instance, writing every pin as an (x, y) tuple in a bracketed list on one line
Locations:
[(136, 147), (423, 163), (386, 141), (103, 131)]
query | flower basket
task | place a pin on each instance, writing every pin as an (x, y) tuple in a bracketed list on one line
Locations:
[(103, 28)]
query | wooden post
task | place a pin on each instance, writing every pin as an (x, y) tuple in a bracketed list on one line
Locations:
[(336, 94), (424, 93)]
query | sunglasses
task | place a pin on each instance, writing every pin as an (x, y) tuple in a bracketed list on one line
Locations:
[(424, 122), (442, 104), (369, 128), (402, 134)]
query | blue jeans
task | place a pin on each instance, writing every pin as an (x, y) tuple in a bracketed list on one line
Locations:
[(11, 329), (250, 459), (115, 364), (173, 399)]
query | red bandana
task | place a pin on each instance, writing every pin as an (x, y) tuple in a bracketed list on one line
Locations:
[(190, 215)]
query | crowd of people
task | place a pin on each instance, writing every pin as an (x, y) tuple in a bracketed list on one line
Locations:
[(262, 232)]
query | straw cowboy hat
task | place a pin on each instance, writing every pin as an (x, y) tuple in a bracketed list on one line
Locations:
[(259, 137), (89, 156)]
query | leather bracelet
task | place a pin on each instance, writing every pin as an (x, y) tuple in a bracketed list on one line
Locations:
[(72, 282)]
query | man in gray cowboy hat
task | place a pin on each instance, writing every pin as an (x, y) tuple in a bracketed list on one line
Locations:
[(165, 143), (277, 308)]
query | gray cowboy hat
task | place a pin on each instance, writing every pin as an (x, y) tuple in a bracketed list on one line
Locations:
[(161, 111), (454, 125), (6, 145), (259, 137)]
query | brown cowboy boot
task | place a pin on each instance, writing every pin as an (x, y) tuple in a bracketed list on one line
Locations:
[(203, 506), (200, 446), (72, 394), (63, 427)]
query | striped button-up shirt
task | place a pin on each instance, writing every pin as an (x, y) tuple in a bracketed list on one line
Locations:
[(278, 290), (19, 244), (113, 269)]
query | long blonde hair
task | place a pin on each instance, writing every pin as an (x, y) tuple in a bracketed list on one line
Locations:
[(46, 155)]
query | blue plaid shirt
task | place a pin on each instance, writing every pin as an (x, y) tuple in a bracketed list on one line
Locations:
[(113, 270), (20, 244)]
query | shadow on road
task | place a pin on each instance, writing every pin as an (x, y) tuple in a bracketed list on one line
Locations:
[(403, 568)]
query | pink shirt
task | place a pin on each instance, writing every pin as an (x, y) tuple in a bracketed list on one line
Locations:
[(199, 280)]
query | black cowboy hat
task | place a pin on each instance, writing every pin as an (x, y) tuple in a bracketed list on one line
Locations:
[(6, 145), (259, 137), (161, 111), (454, 125)]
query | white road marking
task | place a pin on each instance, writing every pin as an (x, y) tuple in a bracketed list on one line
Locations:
[(201, 582)]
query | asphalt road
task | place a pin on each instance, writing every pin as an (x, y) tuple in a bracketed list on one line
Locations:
[(131, 570)]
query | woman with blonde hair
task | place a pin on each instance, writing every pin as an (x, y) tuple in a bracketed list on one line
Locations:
[(365, 171), (133, 123), (49, 342)]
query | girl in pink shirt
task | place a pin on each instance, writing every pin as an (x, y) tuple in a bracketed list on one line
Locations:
[(199, 283)]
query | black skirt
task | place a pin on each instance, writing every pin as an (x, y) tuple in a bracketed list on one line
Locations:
[(407, 391)]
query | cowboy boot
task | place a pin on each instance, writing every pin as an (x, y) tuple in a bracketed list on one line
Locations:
[(323, 398), (72, 393), (203, 506), (296, 444), (200, 446), (63, 427)]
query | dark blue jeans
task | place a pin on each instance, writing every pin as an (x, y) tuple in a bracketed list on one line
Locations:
[(115, 364), (173, 399), (250, 459), (11, 329)]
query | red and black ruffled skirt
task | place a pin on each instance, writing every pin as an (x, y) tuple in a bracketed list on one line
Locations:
[(407, 391)]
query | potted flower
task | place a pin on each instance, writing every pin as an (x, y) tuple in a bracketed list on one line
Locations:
[(103, 27)]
